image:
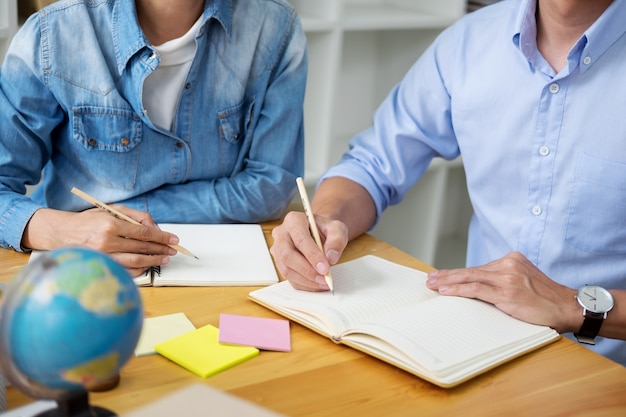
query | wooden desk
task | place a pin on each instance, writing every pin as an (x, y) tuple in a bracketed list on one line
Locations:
[(320, 378)]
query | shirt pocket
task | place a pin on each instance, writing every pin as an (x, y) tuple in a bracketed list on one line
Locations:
[(106, 143), (597, 213), (234, 127)]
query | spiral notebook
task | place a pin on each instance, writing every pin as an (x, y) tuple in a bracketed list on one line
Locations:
[(228, 255)]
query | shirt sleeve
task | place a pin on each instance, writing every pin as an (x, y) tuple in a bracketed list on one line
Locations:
[(28, 115), (411, 127)]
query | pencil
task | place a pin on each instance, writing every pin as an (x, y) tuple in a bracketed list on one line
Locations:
[(312, 225), (121, 215)]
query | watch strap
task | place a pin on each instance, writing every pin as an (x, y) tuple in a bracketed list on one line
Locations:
[(590, 328)]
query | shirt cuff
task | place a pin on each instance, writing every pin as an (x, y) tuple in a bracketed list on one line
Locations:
[(14, 222)]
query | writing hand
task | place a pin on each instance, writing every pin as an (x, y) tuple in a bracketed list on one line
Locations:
[(136, 247), (297, 256), (517, 287)]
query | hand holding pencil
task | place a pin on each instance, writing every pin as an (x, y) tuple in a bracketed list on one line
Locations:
[(116, 213), (313, 226)]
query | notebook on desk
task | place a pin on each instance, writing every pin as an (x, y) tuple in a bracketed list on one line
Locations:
[(385, 310), (227, 255)]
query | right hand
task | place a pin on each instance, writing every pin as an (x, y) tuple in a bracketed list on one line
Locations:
[(136, 247), (297, 256)]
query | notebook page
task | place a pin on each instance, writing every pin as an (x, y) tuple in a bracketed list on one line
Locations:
[(451, 336), (365, 288), (228, 255)]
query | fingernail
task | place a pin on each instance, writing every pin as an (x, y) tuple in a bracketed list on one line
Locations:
[(321, 268), (432, 278), (321, 281), (332, 256), (173, 240), (165, 260), (171, 251)]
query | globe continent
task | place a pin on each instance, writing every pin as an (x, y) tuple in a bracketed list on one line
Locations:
[(70, 320)]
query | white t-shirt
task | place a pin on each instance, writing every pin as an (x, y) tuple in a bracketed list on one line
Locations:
[(162, 88)]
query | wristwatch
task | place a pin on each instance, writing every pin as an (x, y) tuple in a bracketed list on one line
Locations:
[(596, 303)]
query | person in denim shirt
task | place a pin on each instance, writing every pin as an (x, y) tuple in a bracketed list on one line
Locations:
[(183, 111)]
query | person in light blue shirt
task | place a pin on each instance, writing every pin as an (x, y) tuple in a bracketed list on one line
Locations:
[(181, 111), (530, 94)]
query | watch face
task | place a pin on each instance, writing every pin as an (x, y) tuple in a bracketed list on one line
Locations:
[(595, 299)]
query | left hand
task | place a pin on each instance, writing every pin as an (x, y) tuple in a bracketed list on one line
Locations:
[(517, 287)]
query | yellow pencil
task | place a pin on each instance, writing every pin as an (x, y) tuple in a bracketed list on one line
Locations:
[(313, 226), (121, 215)]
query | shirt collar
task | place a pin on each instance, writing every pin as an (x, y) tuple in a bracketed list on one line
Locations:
[(603, 33), (591, 45), (525, 28), (129, 38)]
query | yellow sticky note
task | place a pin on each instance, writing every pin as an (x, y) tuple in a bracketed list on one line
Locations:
[(159, 329), (200, 351)]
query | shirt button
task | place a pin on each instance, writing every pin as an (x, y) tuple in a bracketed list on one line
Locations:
[(92, 142), (587, 60), (124, 141), (544, 151), (554, 88), (536, 210), (188, 86), (179, 144), (153, 56)]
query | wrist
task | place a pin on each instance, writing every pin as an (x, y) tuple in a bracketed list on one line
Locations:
[(573, 314), (40, 232)]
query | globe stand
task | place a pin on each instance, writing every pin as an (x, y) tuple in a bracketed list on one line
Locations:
[(76, 404)]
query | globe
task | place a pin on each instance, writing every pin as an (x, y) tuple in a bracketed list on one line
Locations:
[(69, 321)]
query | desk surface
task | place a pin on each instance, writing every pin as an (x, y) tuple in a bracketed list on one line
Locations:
[(321, 378)]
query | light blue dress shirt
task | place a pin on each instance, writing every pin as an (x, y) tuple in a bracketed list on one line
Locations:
[(544, 153), (71, 101)]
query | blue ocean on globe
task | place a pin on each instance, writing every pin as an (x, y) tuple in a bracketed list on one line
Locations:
[(69, 320)]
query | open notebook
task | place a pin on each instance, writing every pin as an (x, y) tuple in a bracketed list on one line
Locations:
[(384, 309), (228, 255)]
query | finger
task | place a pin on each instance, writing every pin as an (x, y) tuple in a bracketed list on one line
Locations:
[(335, 235), (301, 281), (140, 216), (465, 282), (295, 232), (289, 259), (296, 285), (487, 274), (477, 290), (145, 219), (141, 247), (296, 269), (121, 237), (137, 264), (148, 234)]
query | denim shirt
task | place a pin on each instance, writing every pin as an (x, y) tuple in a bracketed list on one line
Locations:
[(71, 105)]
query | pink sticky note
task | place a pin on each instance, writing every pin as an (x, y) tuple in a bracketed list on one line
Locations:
[(262, 333)]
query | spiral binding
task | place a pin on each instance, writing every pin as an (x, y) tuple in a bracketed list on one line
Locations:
[(154, 270)]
